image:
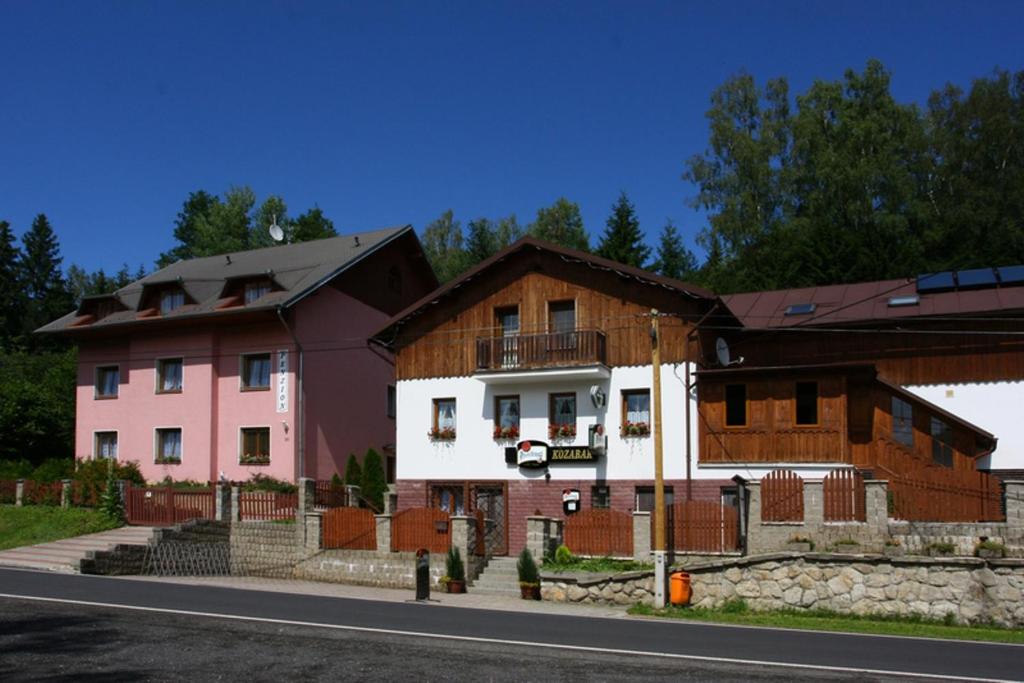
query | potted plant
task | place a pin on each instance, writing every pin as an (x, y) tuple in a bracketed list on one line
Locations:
[(800, 544), (529, 577), (847, 545), (989, 549), (442, 434), (893, 548), (455, 571), (636, 429)]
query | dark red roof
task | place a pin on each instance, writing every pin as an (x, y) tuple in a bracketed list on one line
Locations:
[(866, 301)]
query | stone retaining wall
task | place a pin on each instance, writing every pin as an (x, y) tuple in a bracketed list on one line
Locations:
[(972, 590), (368, 568), (267, 549)]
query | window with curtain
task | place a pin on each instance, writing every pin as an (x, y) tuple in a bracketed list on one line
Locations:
[(637, 405), (169, 372), (255, 291), (106, 445), (108, 378), (256, 371), (168, 445), (902, 421), (444, 418), (562, 415), (506, 417), (255, 444), (171, 299)]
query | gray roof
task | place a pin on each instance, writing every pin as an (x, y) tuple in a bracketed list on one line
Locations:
[(296, 270)]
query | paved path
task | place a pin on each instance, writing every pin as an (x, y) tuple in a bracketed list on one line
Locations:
[(64, 555)]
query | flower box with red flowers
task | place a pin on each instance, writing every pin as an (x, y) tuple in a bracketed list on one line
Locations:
[(506, 433), (443, 434), (636, 429), (564, 431)]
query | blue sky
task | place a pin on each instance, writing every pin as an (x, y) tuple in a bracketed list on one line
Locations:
[(390, 113)]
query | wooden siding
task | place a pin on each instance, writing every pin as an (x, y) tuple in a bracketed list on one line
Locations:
[(771, 434), (449, 349)]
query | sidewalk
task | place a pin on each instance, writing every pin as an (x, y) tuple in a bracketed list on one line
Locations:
[(468, 600)]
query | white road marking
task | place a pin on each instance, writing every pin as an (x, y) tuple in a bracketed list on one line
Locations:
[(502, 641)]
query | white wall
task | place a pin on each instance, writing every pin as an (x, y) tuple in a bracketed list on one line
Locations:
[(474, 454), (994, 406)]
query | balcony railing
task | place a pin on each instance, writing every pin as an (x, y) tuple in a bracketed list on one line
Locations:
[(528, 351)]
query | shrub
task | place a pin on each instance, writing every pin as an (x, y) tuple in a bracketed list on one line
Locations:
[(527, 569), (336, 481), (15, 469), (454, 568), (353, 472), (111, 503), (563, 555), (991, 546), (943, 547), (91, 476), (262, 482), (373, 483), (54, 469)]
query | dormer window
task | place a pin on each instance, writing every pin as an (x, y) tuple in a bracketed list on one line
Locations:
[(255, 291), (170, 300)]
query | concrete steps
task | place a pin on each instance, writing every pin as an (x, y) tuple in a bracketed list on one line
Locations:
[(66, 554), (499, 577)]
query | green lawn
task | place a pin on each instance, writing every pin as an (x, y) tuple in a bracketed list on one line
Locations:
[(822, 620), (42, 523)]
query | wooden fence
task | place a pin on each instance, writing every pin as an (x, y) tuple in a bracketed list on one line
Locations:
[(8, 491), (166, 506), (844, 496), (41, 493), (349, 528), (940, 494), (417, 528), (267, 505), (782, 497), (600, 533), (330, 495), (704, 526)]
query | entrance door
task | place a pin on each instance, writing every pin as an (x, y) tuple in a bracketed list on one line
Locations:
[(508, 322), (490, 500)]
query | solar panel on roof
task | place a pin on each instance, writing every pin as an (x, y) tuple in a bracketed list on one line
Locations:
[(800, 309), (978, 277), (936, 282), (1011, 275)]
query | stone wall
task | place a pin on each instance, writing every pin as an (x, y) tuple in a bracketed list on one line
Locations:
[(368, 568), (972, 590), (915, 537), (267, 548)]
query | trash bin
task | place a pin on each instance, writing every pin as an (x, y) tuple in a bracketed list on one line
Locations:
[(679, 592), (422, 574)]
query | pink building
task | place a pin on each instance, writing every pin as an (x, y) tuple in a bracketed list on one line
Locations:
[(246, 363)]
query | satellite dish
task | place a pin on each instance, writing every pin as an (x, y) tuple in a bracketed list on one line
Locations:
[(722, 351), (276, 233), (598, 397)]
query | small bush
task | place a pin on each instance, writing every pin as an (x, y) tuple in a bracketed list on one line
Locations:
[(336, 481), (15, 469), (943, 547), (735, 606), (54, 469), (454, 568), (353, 472), (528, 574), (563, 555), (374, 482), (262, 482), (990, 546)]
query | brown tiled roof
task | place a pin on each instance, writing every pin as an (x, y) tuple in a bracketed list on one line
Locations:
[(863, 302), (295, 269)]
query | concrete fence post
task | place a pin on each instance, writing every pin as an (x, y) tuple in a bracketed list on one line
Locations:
[(313, 528), (1014, 499), (19, 492), (876, 507), (539, 535), (236, 504), (753, 500), (222, 502), (463, 535), (383, 533), (814, 505), (307, 495), (65, 493), (641, 536)]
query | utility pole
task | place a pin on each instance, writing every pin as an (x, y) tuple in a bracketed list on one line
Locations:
[(659, 480)]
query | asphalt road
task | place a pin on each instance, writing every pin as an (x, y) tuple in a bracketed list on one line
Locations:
[(179, 632)]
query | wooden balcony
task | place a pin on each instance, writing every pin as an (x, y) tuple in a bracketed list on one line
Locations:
[(541, 352)]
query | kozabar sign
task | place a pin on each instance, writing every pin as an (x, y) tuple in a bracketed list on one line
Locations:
[(536, 454)]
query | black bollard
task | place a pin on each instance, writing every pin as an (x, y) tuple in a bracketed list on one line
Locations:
[(422, 574)]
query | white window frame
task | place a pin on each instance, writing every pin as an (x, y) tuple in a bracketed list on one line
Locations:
[(241, 444), (156, 444), (175, 292), (156, 367), (96, 382), (117, 445), (250, 286), (241, 371)]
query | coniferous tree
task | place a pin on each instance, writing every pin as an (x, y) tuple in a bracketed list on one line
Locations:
[(12, 293), (443, 245), (45, 287), (674, 260), (622, 240), (353, 472), (562, 224), (312, 225), (374, 482)]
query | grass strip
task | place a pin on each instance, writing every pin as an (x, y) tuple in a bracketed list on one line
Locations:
[(737, 612), (33, 524)]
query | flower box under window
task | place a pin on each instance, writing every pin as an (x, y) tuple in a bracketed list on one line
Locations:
[(506, 433), (636, 429), (442, 434), (561, 431)]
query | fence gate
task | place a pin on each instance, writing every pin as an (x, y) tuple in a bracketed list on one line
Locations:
[(600, 533), (166, 506), (782, 497), (704, 526), (844, 496), (349, 528)]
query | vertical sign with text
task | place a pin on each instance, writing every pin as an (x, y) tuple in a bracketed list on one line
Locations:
[(282, 381)]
